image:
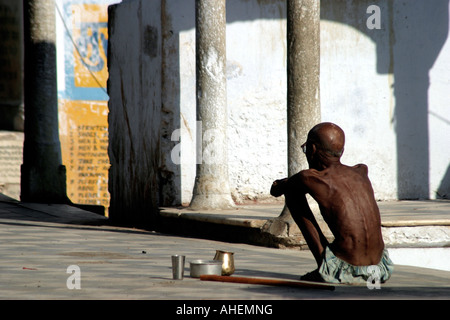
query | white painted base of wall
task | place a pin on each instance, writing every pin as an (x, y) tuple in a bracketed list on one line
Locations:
[(432, 258)]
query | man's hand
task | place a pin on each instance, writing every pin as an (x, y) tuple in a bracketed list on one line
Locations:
[(278, 187)]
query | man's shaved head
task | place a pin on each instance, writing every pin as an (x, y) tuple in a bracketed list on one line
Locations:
[(328, 137)]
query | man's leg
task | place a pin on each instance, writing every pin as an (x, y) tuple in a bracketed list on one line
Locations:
[(303, 216)]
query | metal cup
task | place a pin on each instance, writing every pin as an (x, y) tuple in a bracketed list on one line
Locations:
[(227, 259), (178, 266)]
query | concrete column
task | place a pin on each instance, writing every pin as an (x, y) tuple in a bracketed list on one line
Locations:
[(211, 189), (43, 177), (303, 92), (303, 71)]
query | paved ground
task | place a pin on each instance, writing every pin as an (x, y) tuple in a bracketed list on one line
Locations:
[(38, 243)]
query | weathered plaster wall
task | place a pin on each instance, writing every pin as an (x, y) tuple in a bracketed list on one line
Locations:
[(256, 75), (11, 65), (134, 120), (393, 121), (387, 88), (82, 37)]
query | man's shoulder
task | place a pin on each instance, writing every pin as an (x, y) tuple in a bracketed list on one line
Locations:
[(361, 167), (309, 176), (313, 174), (307, 173)]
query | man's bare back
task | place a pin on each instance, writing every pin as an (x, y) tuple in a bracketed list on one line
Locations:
[(347, 204), (345, 197)]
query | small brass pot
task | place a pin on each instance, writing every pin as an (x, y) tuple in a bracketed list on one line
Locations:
[(227, 259)]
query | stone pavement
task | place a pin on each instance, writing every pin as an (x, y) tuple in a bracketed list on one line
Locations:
[(39, 244)]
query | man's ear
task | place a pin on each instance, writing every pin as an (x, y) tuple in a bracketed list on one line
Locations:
[(313, 148)]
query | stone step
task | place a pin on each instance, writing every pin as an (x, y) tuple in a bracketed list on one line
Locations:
[(405, 224)]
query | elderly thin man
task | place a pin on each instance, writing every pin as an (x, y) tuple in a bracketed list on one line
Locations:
[(347, 204)]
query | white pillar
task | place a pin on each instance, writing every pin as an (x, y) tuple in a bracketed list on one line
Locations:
[(303, 38), (211, 189), (303, 80)]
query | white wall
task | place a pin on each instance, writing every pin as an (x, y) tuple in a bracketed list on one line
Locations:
[(439, 122), (360, 100), (387, 88), (357, 92), (256, 74)]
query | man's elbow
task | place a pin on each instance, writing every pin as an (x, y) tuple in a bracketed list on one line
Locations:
[(275, 192), (277, 188)]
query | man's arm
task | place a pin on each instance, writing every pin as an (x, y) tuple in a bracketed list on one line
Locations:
[(278, 187), (295, 189), (281, 186)]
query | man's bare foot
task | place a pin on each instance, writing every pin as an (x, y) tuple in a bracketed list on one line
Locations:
[(312, 276)]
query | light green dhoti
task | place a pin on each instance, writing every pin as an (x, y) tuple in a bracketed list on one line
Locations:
[(335, 270)]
